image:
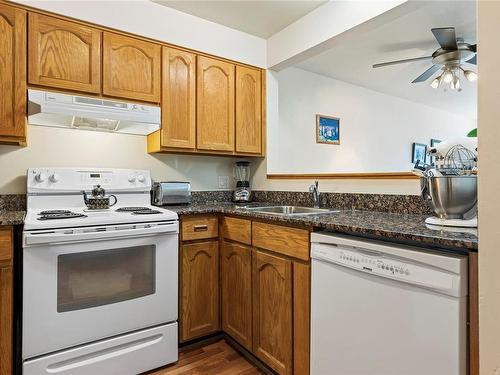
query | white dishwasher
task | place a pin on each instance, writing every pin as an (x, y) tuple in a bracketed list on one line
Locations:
[(384, 309)]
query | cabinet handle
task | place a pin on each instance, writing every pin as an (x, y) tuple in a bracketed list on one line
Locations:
[(201, 228)]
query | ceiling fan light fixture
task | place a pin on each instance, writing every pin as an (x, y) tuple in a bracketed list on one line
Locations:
[(470, 75), (447, 76), (435, 82), (455, 83)]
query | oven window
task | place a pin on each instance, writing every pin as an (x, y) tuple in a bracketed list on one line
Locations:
[(99, 278)]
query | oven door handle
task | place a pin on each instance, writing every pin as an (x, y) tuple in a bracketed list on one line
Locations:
[(98, 233)]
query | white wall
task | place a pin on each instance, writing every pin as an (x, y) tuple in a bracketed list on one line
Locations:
[(320, 28), (143, 17), (376, 130), (489, 181), (55, 147)]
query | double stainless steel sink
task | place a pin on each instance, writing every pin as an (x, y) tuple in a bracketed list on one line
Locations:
[(289, 210)]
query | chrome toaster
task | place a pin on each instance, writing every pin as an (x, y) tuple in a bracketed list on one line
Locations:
[(170, 193)]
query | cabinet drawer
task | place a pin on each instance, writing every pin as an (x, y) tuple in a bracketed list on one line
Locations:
[(197, 228), (237, 230), (293, 242), (5, 244)]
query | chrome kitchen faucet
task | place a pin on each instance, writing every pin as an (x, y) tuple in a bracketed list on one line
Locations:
[(314, 190)]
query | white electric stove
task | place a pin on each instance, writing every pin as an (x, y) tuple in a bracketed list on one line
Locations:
[(99, 286)]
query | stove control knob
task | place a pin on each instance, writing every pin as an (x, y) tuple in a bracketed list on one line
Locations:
[(40, 177), (131, 178), (54, 177), (141, 178)]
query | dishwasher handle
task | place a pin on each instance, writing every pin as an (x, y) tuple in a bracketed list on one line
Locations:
[(370, 253)]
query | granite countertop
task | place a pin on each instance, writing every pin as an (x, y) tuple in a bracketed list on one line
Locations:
[(12, 217), (395, 227)]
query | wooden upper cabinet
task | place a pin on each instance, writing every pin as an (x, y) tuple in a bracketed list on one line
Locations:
[(272, 311), (215, 105), (178, 120), (248, 110), (236, 270), (131, 68), (199, 284), (64, 54), (12, 75)]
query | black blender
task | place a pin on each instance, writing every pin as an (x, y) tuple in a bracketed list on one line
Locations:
[(242, 193)]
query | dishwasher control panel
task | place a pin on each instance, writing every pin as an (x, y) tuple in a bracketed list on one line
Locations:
[(385, 265), (369, 263)]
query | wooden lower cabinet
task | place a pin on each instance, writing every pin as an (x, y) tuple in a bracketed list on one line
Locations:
[(6, 312), (264, 292), (236, 279), (272, 311), (199, 289)]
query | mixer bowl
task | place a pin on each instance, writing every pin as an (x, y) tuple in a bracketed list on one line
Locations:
[(451, 197)]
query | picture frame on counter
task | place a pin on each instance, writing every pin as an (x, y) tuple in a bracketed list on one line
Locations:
[(434, 142), (418, 153), (327, 129)]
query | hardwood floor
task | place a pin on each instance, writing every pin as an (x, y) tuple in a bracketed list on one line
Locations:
[(214, 359)]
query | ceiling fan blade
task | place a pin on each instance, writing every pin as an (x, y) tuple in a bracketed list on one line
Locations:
[(446, 37), (473, 60), (425, 75), (401, 61)]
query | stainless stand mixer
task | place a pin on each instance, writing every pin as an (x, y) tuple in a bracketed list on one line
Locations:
[(242, 193), (450, 186)]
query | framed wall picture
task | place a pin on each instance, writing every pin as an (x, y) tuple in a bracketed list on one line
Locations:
[(419, 152), (327, 129)]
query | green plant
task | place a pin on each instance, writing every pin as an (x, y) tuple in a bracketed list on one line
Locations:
[(472, 133)]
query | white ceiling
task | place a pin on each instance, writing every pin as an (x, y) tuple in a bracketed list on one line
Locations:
[(259, 18), (404, 37)]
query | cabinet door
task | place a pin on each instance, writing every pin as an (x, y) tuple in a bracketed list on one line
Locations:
[(12, 74), (215, 105), (199, 289), (64, 54), (236, 269), (131, 68), (178, 116), (5, 320), (6, 312), (248, 110), (272, 311)]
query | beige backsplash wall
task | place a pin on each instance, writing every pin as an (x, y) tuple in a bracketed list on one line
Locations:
[(55, 147)]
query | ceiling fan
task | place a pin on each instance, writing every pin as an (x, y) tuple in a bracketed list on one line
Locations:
[(453, 52)]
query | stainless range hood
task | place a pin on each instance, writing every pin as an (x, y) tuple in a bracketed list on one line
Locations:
[(47, 108)]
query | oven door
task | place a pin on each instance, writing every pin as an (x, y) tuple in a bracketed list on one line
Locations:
[(85, 284)]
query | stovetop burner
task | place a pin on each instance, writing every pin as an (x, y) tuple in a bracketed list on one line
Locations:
[(147, 211), (132, 209), (60, 215), (51, 212)]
